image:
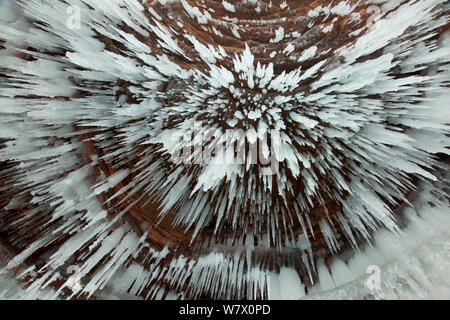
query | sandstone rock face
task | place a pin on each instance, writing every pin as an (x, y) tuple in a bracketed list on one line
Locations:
[(179, 145)]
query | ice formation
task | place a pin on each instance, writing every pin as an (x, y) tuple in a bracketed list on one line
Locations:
[(93, 92)]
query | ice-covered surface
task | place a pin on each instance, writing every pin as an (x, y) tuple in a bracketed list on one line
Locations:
[(382, 140), (412, 266)]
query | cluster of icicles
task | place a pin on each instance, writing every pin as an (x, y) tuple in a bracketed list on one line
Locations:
[(92, 205)]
